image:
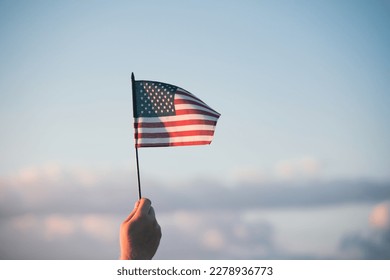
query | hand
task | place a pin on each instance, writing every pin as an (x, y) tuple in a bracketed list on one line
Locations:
[(140, 233)]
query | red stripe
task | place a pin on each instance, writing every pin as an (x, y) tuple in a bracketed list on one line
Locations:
[(195, 111), (190, 143), (186, 101), (174, 123), (174, 134)]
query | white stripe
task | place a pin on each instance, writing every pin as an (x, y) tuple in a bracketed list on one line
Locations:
[(174, 128), (185, 97), (179, 96), (191, 106), (174, 139), (187, 92), (175, 118)]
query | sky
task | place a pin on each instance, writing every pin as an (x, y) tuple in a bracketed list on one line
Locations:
[(299, 167)]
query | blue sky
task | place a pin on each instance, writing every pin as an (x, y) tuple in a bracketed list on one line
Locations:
[(303, 92)]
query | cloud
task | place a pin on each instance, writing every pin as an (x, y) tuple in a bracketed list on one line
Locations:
[(23, 223), (56, 236), (53, 212), (32, 175), (214, 235), (55, 226), (380, 216), (213, 239), (67, 190), (374, 243), (186, 235), (101, 227), (211, 195), (372, 246), (74, 191), (296, 169), (305, 167)]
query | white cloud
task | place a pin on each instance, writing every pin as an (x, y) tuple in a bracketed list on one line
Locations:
[(56, 236), (50, 172), (299, 168), (56, 226), (185, 221), (201, 219), (216, 235), (213, 239), (101, 227), (294, 169), (373, 242), (380, 215)]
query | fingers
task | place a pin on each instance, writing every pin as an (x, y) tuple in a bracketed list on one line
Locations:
[(144, 207), (151, 212), (141, 208), (132, 212)]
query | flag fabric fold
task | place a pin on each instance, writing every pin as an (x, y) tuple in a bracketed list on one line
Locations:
[(166, 115)]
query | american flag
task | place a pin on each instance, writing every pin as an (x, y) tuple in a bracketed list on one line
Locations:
[(166, 115)]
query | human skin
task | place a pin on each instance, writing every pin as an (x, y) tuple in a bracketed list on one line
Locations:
[(140, 233)]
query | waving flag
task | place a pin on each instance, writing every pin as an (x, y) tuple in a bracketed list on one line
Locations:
[(166, 115)]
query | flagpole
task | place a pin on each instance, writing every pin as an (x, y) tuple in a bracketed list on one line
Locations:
[(136, 148)]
